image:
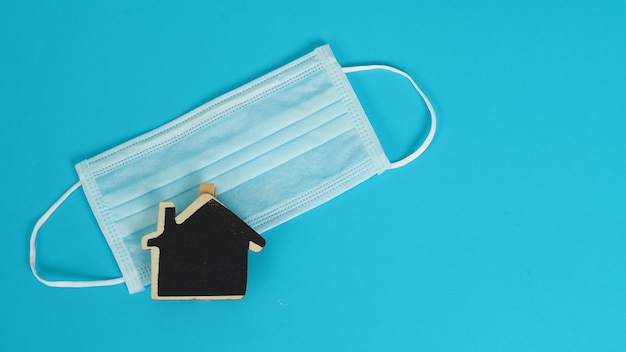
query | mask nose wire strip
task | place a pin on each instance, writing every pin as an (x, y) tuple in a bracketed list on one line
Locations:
[(33, 250), (433, 115)]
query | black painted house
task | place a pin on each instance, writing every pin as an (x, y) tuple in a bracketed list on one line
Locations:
[(202, 253)]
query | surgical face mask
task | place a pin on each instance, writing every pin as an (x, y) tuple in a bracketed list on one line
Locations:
[(274, 148)]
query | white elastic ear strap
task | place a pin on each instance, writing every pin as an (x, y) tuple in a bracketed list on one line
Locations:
[(433, 116), (33, 250)]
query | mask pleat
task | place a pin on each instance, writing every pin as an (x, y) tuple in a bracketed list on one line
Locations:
[(227, 173), (222, 139)]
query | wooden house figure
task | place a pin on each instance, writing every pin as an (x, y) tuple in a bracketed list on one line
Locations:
[(202, 253)]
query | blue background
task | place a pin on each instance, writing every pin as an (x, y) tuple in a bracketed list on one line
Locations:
[(508, 234)]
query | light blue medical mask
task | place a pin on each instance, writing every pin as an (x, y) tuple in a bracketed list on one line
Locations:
[(274, 148)]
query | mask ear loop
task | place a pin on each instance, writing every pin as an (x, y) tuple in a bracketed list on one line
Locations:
[(433, 116), (33, 250)]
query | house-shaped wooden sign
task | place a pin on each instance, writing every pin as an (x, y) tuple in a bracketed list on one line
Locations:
[(202, 253)]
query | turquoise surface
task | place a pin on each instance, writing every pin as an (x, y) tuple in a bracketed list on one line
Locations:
[(508, 234)]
